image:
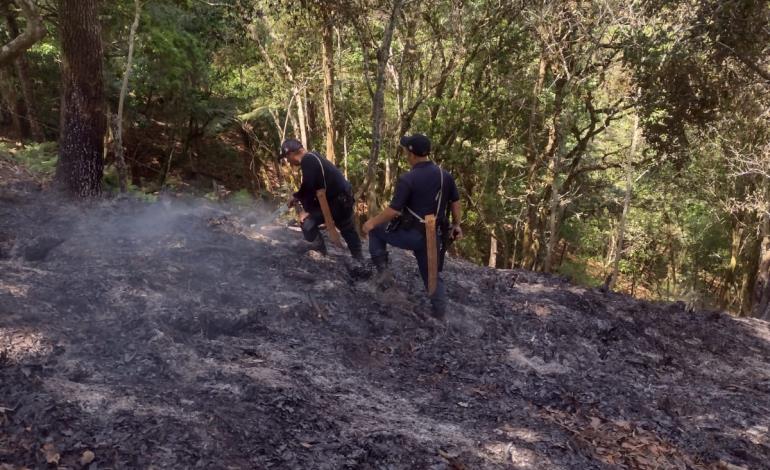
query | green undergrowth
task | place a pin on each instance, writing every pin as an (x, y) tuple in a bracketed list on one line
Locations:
[(39, 158), (577, 270)]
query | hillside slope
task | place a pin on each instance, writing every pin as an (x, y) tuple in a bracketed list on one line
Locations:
[(188, 335)]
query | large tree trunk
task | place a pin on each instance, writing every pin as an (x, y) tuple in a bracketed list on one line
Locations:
[(120, 160), (80, 167), (35, 31), (378, 104), (23, 73), (327, 53)]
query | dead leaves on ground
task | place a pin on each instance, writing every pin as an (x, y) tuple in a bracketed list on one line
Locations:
[(87, 458), (52, 455), (621, 443)]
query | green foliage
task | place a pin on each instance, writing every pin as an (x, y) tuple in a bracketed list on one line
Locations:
[(242, 198), (577, 272), (38, 158), (502, 88)]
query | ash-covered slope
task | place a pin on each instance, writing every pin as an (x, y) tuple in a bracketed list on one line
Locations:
[(185, 335)]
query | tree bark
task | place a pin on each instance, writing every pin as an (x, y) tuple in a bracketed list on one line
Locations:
[(80, 167), (120, 160), (378, 103), (327, 56), (35, 31)]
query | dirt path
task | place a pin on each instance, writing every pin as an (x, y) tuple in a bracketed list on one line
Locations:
[(184, 335)]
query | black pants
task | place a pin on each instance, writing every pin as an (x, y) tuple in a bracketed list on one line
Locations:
[(413, 240), (343, 219)]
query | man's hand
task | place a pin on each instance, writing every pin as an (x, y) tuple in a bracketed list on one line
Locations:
[(303, 215), (382, 218), (368, 226), (457, 232)]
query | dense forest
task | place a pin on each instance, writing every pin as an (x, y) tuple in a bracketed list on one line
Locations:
[(620, 143)]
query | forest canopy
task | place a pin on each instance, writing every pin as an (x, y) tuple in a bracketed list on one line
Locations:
[(620, 143)]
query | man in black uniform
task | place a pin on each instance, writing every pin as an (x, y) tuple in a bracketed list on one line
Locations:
[(425, 189), (320, 173)]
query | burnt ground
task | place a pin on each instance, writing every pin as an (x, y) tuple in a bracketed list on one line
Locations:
[(186, 335)]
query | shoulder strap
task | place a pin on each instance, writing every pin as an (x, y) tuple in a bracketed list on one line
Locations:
[(439, 196), (323, 174), (440, 191)]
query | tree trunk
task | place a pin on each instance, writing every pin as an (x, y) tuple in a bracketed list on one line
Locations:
[(378, 103), (327, 56), (534, 108), (8, 93), (535, 228), (620, 237), (301, 117), (80, 167), (492, 251), (553, 211), (20, 43), (761, 307), (731, 276), (23, 73), (343, 127), (529, 244), (120, 160)]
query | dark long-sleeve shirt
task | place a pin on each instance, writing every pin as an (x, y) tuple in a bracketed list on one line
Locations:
[(418, 189), (313, 179)]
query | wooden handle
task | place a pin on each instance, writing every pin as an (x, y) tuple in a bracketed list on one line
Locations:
[(334, 234), (430, 241)]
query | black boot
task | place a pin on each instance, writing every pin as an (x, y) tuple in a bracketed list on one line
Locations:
[(384, 278), (316, 245), (358, 255), (319, 245)]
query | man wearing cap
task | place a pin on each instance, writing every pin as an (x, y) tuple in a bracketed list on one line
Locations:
[(320, 173), (426, 189)]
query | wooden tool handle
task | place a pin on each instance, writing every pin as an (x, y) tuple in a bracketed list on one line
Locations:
[(334, 234), (430, 241)]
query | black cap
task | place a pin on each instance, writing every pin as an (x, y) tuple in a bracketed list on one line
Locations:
[(418, 144), (289, 146)]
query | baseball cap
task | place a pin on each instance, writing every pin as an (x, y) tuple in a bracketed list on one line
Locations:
[(418, 144), (289, 146)]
